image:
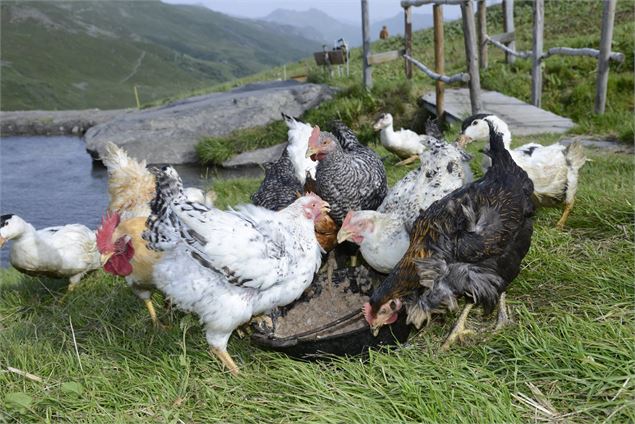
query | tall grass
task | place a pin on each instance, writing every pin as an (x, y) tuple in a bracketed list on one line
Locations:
[(568, 358)]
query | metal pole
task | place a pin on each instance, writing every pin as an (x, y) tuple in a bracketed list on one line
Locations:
[(368, 72), (536, 68), (608, 16)]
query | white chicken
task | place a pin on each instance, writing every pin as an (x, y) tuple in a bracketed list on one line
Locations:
[(553, 169), (230, 266), (131, 187), (383, 236), (69, 251), (406, 144)]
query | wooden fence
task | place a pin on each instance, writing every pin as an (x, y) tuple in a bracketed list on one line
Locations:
[(476, 48)]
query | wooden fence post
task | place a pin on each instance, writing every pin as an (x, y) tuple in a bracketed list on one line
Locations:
[(536, 67), (608, 16), (407, 13), (368, 72), (469, 33), (482, 33), (439, 57), (508, 26)]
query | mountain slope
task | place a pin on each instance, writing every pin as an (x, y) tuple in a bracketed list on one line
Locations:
[(62, 55), (317, 25), (396, 24)]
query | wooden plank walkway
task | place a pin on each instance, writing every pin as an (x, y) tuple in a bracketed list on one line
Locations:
[(522, 118)]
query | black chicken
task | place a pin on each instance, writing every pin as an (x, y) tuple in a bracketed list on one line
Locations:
[(468, 244)]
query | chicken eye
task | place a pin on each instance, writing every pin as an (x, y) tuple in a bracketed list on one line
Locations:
[(393, 305)]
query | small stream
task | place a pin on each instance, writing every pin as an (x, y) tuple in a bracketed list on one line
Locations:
[(51, 181)]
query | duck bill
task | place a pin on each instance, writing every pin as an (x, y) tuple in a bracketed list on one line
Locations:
[(2, 241), (463, 140)]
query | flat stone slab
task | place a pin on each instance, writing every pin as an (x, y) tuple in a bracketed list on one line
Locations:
[(522, 118), (170, 133), (53, 122), (607, 145)]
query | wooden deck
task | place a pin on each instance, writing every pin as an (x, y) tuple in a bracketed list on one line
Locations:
[(522, 118)]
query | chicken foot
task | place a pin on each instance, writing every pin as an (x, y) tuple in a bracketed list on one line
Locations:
[(503, 319), (262, 322), (227, 360), (408, 160), (565, 214), (153, 314), (458, 331), (330, 265)]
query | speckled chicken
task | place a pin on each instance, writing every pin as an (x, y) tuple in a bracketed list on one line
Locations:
[(228, 266), (469, 244), (553, 169), (350, 176), (443, 169), (284, 179)]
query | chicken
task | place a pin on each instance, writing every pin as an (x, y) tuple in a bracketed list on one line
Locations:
[(285, 178), (406, 144), (350, 176), (131, 188), (441, 171), (468, 244), (230, 266), (68, 251), (553, 169)]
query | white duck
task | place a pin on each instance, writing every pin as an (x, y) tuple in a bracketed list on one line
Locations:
[(406, 144), (69, 251), (553, 169)]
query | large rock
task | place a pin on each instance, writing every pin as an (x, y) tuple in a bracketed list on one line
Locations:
[(257, 157), (170, 133)]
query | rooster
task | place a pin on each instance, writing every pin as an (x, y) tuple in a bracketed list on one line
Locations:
[(468, 244), (230, 266), (131, 187), (553, 169)]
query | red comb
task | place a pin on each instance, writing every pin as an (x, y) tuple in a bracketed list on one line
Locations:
[(368, 313), (347, 219), (315, 135), (104, 233)]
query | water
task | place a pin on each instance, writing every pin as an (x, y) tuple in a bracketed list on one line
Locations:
[(51, 181)]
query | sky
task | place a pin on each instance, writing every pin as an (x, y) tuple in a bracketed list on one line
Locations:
[(343, 10)]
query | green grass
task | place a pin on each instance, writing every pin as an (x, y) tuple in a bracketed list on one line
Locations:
[(568, 358), (79, 55)]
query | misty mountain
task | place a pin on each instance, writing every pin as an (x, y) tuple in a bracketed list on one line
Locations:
[(317, 25)]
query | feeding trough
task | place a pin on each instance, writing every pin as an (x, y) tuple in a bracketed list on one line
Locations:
[(327, 319)]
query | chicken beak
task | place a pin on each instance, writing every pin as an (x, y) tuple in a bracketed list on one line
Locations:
[(343, 235), (463, 140), (326, 208), (311, 151), (2, 241), (375, 329), (105, 257)]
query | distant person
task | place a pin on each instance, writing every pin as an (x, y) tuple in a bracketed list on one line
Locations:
[(383, 34)]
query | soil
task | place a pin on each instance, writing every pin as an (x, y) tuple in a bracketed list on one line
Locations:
[(323, 303)]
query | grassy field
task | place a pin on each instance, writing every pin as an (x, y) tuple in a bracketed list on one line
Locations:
[(568, 358), (568, 89)]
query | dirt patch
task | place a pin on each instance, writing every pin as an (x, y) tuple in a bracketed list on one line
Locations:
[(323, 303)]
